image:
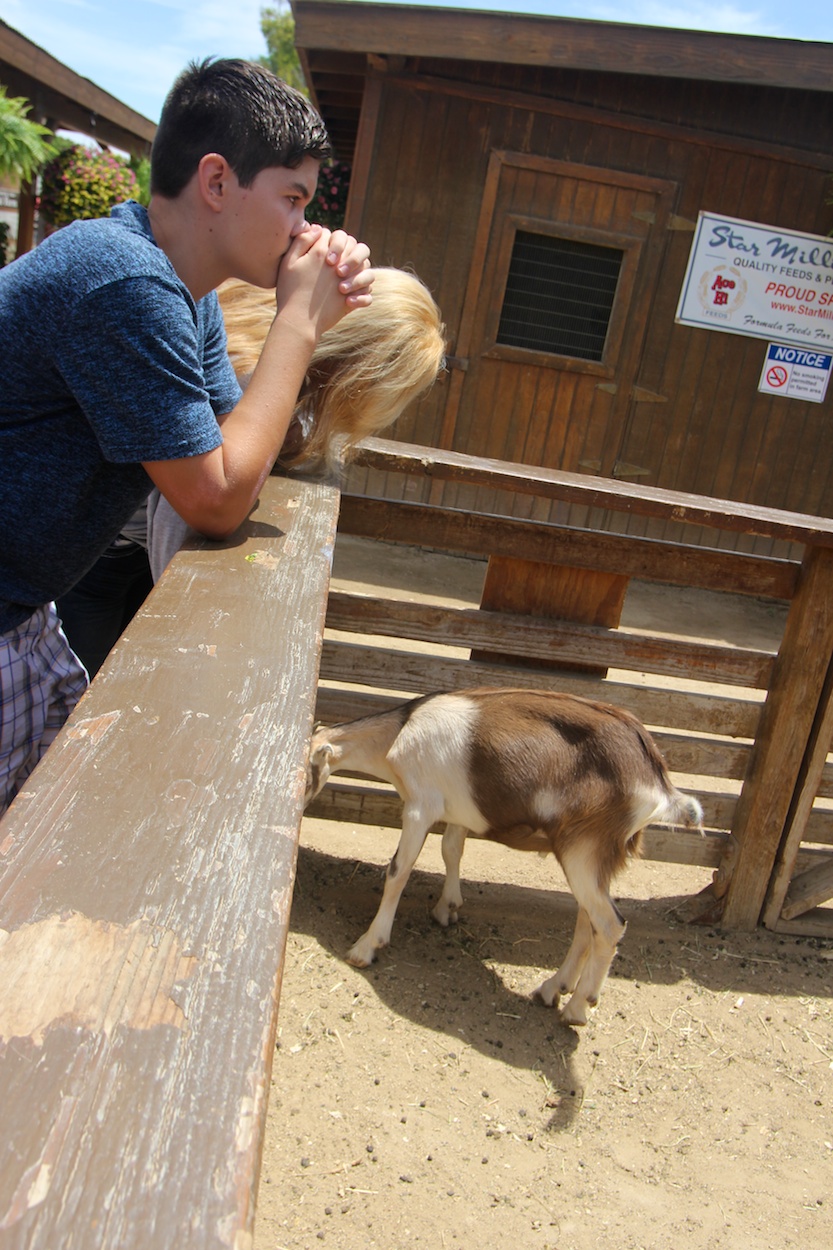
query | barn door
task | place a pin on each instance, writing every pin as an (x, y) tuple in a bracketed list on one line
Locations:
[(564, 271), (565, 266)]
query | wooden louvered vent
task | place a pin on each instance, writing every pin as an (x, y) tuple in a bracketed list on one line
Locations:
[(559, 296)]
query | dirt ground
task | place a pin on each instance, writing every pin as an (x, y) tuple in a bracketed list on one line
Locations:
[(427, 1101)]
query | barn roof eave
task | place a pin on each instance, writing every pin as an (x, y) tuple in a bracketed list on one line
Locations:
[(345, 27)]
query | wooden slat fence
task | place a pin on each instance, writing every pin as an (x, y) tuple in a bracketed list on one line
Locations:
[(747, 730)]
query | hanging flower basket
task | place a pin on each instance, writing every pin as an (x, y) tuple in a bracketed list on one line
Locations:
[(80, 183)]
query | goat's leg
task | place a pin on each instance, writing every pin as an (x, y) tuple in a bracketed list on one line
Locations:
[(607, 927), (608, 931), (414, 831), (565, 980), (451, 899)]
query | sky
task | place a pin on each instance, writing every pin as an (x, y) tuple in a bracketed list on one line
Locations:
[(135, 48)]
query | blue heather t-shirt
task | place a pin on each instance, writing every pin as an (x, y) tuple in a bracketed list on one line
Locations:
[(105, 361)]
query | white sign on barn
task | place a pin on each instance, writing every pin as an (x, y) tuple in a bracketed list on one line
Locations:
[(745, 278), (796, 372)]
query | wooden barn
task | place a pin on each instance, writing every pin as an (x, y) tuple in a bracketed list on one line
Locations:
[(489, 148)]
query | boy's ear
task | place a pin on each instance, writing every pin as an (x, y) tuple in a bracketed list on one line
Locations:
[(213, 173)]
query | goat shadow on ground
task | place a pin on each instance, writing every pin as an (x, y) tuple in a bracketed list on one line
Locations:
[(473, 981), (435, 977)]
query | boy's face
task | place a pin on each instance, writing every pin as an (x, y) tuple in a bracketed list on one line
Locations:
[(267, 217)]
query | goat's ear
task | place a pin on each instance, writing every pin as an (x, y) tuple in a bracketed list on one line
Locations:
[(322, 754), (318, 769)]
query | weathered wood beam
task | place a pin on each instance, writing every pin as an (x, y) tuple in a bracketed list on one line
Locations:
[(809, 889), (782, 897), (509, 634), (146, 873), (413, 673), (477, 534), (596, 492), (71, 100)]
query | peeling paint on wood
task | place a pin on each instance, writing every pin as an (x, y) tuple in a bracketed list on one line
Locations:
[(75, 972), (145, 885), (94, 729)]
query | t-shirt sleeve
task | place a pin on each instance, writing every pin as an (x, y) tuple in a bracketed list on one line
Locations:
[(132, 357)]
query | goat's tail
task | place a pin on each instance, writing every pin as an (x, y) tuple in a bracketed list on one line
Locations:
[(666, 805), (683, 809)]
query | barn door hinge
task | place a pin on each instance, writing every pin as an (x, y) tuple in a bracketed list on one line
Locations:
[(623, 469), (457, 362), (643, 396)]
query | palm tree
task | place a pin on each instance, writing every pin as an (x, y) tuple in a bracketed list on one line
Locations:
[(24, 145)]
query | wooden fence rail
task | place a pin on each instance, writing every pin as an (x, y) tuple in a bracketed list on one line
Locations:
[(146, 875)]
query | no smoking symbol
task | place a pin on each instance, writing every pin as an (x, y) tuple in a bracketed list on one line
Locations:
[(777, 375)]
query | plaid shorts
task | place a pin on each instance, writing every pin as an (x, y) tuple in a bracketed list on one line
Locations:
[(41, 680)]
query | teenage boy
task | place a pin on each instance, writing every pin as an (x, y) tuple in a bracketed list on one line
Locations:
[(114, 376)]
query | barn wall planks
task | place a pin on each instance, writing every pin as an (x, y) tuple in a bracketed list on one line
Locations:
[(682, 409)]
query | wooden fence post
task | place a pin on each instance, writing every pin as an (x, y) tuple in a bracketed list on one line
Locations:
[(784, 732)]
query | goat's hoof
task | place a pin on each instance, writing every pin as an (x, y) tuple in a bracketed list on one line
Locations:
[(445, 914), (574, 1015), (362, 954), (546, 993), (357, 962)]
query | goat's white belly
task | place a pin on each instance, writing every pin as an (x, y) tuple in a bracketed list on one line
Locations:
[(462, 810)]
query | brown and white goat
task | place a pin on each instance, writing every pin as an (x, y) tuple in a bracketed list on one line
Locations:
[(535, 770)]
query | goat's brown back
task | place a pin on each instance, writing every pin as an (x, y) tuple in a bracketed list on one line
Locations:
[(592, 762)]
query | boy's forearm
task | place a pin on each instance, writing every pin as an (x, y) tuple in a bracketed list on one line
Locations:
[(255, 429), (312, 295), (215, 492)]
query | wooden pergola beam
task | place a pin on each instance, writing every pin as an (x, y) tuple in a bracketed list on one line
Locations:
[(68, 100)]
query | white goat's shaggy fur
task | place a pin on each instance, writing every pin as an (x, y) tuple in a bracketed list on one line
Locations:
[(534, 770)]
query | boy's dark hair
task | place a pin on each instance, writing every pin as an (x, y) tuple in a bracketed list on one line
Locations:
[(241, 111)]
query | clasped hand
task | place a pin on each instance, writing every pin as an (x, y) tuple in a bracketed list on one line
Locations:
[(323, 276)]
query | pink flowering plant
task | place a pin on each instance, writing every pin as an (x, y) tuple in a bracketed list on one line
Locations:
[(81, 183), (330, 200)]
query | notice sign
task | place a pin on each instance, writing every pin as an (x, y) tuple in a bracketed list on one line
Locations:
[(758, 280), (795, 372)]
